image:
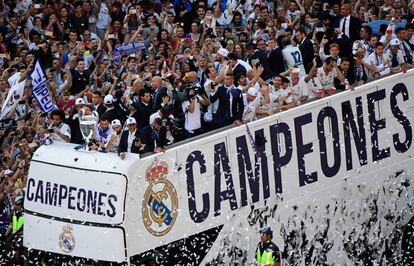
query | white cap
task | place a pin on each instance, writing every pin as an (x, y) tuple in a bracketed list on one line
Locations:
[(252, 91), (116, 122), (109, 99), (223, 52), (395, 42), (79, 101), (130, 121), (8, 172)]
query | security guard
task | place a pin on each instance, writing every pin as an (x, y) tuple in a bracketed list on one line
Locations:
[(17, 219), (267, 253)]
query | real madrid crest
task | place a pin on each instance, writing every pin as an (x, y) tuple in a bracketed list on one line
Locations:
[(66, 239), (160, 204)]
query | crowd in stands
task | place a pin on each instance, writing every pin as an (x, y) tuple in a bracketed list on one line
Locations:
[(156, 72)]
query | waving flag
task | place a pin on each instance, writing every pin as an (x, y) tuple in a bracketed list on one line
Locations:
[(12, 99), (40, 90)]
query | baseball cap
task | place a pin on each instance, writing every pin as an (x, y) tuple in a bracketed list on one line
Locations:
[(109, 99), (395, 42), (18, 200), (252, 91), (8, 172), (116, 122), (130, 121), (223, 52), (79, 101), (266, 230)]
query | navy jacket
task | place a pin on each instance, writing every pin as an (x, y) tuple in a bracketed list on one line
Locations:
[(150, 136), (223, 116), (123, 144)]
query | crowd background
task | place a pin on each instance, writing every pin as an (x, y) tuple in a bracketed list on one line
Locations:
[(158, 72)]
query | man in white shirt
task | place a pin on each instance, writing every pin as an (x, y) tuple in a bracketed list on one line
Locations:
[(115, 137), (103, 132), (60, 131), (298, 87), (103, 20), (396, 57), (377, 63), (286, 95), (129, 137), (192, 113), (293, 56), (328, 72)]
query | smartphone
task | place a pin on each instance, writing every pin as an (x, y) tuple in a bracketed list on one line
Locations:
[(49, 33), (111, 36), (132, 11), (37, 6), (50, 130)]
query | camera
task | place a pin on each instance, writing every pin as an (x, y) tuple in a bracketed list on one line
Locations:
[(173, 125), (189, 87)]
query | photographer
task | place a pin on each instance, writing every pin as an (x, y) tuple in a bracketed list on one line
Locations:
[(192, 112)]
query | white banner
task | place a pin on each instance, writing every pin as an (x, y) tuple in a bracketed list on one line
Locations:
[(40, 90), (14, 96)]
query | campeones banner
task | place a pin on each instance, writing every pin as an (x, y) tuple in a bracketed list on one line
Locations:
[(303, 154), (40, 90)]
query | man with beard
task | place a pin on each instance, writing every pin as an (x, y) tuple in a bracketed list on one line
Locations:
[(115, 137)]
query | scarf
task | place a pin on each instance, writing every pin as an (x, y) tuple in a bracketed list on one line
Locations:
[(129, 48)]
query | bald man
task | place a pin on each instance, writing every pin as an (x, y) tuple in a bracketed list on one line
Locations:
[(159, 95), (348, 25)]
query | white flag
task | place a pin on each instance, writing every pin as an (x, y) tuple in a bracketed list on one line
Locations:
[(40, 90), (12, 99)]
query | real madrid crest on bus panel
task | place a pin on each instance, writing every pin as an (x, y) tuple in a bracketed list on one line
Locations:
[(160, 204), (66, 239)]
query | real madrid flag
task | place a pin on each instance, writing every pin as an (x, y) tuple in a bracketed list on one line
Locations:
[(12, 99), (40, 91)]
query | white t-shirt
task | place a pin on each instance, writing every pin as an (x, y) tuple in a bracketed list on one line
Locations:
[(291, 16), (115, 144), (192, 120), (64, 129), (313, 86), (378, 62), (300, 89), (284, 92), (249, 112), (293, 58), (327, 80)]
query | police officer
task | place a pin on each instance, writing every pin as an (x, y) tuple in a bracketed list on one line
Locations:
[(17, 219), (267, 253)]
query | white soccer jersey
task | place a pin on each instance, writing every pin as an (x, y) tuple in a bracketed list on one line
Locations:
[(293, 58)]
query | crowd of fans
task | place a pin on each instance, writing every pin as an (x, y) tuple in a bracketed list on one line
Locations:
[(158, 72)]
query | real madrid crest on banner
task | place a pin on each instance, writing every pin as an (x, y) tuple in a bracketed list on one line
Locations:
[(66, 239), (160, 204)]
